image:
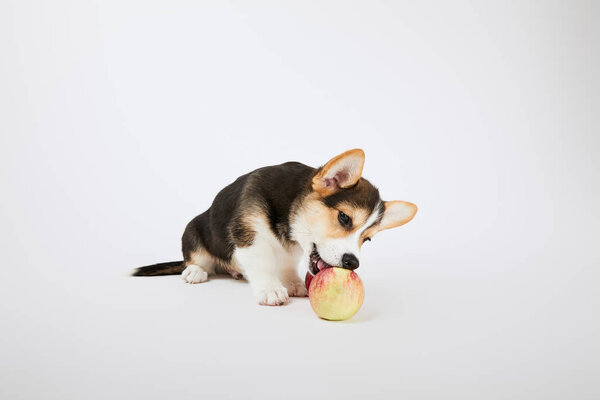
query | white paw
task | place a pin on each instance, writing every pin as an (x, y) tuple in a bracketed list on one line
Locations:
[(296, 288), (273, 297), (194, 274)]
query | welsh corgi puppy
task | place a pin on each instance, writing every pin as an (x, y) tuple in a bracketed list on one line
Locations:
[(267, 222)]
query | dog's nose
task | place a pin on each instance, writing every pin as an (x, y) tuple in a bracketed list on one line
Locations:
[(349, 261)]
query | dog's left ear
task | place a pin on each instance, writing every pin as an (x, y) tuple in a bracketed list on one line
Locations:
[(397, 213), (339, 172)]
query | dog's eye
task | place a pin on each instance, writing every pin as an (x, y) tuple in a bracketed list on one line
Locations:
[(367, 239), (345, 220)]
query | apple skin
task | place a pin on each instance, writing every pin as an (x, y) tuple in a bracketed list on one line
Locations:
[(336, 294), (307, 279)]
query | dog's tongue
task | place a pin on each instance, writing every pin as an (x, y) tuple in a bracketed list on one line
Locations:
[(321, 265)]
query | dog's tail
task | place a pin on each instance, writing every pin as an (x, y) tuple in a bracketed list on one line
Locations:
[(166, 268)]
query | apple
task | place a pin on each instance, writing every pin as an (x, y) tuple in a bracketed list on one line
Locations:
[(336, 294), (307, 279)]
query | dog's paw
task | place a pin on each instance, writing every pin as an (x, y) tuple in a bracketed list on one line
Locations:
[(194, 274), (273, 297), (236, 275), (296, 288)]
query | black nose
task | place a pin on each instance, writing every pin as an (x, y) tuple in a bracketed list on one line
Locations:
[(349, 261)]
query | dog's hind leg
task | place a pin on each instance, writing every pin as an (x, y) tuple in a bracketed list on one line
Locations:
[(199, 264), (197, 260)]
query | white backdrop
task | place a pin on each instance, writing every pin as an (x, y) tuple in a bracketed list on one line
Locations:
[(120, 121)]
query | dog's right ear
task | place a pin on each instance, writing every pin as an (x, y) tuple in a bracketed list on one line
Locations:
[(340, 172)]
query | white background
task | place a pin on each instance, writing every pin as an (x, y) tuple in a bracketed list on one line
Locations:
[(121, 120)]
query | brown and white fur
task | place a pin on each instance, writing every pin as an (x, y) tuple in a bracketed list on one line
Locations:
[(268, 221)]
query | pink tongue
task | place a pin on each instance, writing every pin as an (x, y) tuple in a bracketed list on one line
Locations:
[(321, 265)]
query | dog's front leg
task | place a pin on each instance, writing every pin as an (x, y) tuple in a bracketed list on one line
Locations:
[(260, 267), (289, 276)]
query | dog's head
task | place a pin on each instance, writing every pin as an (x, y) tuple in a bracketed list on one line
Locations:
[(341, 212)]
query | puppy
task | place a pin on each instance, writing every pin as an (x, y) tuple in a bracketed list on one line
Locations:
[(268, 221)]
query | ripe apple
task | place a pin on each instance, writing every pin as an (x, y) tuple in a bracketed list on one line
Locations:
[(307, 279), (336, 294)]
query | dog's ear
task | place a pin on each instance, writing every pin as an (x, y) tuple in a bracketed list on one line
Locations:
[(397, 213), (340, 172)]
